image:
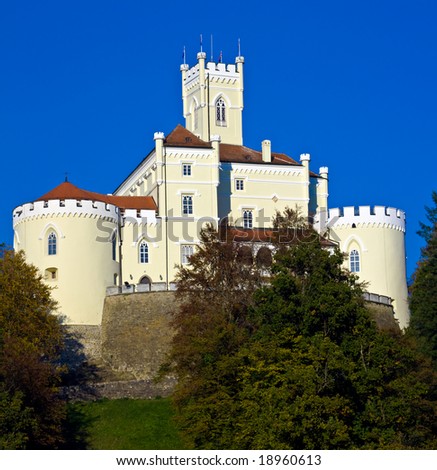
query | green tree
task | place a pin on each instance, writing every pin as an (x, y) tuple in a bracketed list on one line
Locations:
[(310, 371), (31, 413), (423, 298), (215, 292)]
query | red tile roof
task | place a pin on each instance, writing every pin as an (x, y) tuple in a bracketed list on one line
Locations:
[(181, 137), (242, 154), (68, 190), (269, 235)]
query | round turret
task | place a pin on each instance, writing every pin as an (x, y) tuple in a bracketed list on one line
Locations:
[(373, 238), (73, 243)]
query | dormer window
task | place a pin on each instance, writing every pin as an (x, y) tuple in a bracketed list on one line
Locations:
[(220, 112)]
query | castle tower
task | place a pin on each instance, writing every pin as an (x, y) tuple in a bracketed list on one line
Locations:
[(72, 240), (212, 96), (73, 237), (373, 239)]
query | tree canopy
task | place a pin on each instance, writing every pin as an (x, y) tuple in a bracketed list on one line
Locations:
[(301, 365), (423, 298), (31, 414)]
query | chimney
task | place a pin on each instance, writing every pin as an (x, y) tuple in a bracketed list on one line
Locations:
[(266, 151)]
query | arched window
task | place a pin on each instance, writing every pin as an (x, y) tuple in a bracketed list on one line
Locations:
[(354, 261), (247, 219), (52, 246), (144, 252), (220, 108)]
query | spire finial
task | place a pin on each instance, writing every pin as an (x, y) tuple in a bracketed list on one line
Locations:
[(212, 51), (66, 176), (201, 43), (239, 48)]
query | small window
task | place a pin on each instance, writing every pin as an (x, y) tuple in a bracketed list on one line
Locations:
[(52, 244), (247, 219), (186, 252), (239, 185), (186, 169), (51, 274), (354, 261), (187, 205), (221, 112), (144, 252)]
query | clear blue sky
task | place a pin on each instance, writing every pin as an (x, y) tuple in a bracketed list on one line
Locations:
[(85, 84)]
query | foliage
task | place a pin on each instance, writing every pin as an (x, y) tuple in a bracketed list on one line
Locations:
[(126, 425), (30, 340), (215, 291), (306, 369), (423, 299)]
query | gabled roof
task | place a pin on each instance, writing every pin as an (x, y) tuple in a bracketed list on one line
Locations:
[(181, 137), (67, 190), (242, 154)]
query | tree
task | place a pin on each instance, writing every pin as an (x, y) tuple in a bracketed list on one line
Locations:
[(310, 370), (423, 298), (215, 292), (31, 413)]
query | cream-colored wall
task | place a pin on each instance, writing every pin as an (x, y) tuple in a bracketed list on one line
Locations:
[(380, 241), (267, 188), (83, 259), (171, 229)]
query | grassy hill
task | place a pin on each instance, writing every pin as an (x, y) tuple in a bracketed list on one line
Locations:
[(123, 425)]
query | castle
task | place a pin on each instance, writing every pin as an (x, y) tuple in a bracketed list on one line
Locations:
[(89, 245)]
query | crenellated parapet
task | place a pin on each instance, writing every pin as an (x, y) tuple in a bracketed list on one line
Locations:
[(65, 208), (216, 72), (142, 216), (362, 216)]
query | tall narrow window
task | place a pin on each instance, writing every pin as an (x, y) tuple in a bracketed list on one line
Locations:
[(114, 247), (247, 219), (144, 252), (52, 243), (186, 252), (187, 205), (354, 261), (220, 112)]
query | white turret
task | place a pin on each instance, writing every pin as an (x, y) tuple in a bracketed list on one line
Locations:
[(373, 238)]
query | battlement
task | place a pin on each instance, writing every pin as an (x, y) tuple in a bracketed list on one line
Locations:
[(139, 216), (214, 70), (64, 207), (367, 216)]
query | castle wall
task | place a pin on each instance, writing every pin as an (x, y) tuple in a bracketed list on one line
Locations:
[(136, 332)]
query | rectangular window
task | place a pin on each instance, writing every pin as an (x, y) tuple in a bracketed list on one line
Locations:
[(186, 169), (187, 205), (239, 185), (186, 252)]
